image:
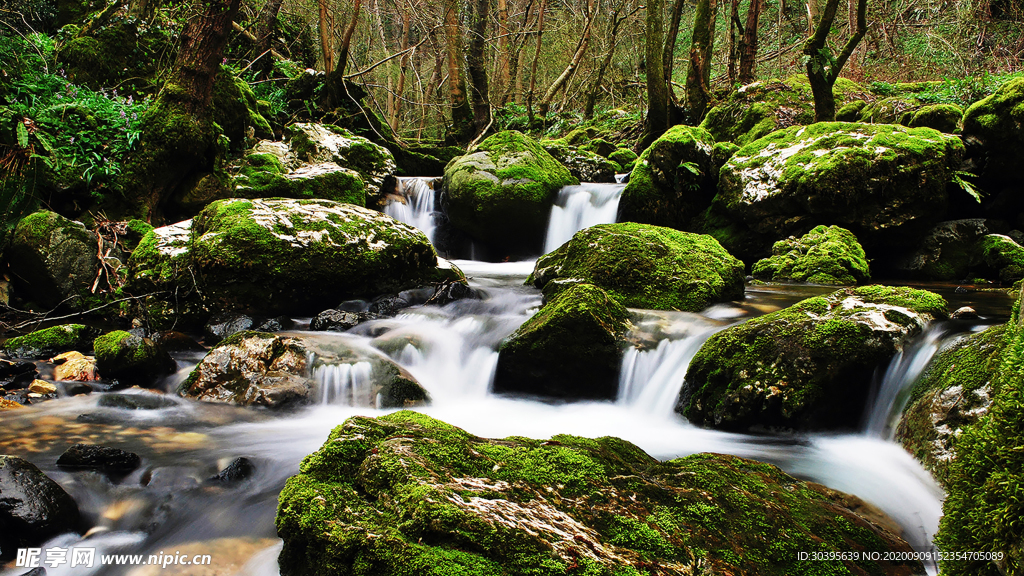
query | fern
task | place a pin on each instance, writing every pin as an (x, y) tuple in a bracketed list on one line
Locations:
[(959, 178)]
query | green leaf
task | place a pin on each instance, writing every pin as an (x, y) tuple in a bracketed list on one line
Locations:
[(22, 135), (958, 179)]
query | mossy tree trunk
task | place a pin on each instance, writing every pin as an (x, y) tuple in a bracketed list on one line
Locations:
[(462, 115), (822, 68), (657, 121), (477, 68), (698, 76), (178, 136)]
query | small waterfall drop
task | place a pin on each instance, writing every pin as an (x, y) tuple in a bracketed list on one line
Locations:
[(579, 207), (344, 384), (416, 205), (650, 380), (903, 371)]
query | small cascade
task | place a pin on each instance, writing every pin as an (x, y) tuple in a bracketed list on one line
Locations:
[(345, 384), (650, 380), (579, 207), (415, 205), (903, 371), (622, 178)]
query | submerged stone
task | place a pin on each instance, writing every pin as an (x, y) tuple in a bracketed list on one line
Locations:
[(807, 367), (405, 494)]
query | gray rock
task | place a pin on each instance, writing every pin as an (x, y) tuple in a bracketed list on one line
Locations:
[(33, 508), (111, 461)]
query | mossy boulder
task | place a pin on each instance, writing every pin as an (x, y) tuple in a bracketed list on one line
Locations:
[(502, 193), (53, 260), (758, 109), (236, 111), (584, 165), (995, 125), (899, 109), (405, 494), (264, 176), (825, 255), (885, 183), (1001, 257), (131, 359), (274, 371), (672, 181), (322, 143), (806, 367), (51, 341), (953, 393), (625, 158), (160, 272), (644, 266), (942, 117), (571, 348), (283, 256), (946, 252)]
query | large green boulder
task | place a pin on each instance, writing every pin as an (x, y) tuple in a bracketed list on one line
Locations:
[(758, 109), (571, 348), (501, 194), (942, 117), (644, 266), (264, 176), (583, 165), (161, 275), (885, 183), (408, 495), (995, 128), (54, 260), (825, 255), (131, 359), (952, 393), (283, 256), (324, 143), (51, 341), (673, 180), (236, 111), (806, 367), (275, 371)]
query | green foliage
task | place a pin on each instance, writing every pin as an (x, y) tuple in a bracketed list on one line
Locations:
[(950, 90), (959, 178)]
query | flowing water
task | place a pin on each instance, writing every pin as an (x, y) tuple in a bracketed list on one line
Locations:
[(579, 207), (415, 204), (168, 506)]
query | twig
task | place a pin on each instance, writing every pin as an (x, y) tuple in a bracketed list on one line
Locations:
[(41, 317)]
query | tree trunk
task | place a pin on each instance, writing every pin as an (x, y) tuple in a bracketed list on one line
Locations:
[(735, 40), (478, 68), (822, 69), (514, 87), (536, 58), (462, 115), (748, 52), (346, 39), (502, 64), (698, 76), (403, 64), (326, 36), (657, 86), (669, 54), (267, 18), (595, 88), (560, 82)]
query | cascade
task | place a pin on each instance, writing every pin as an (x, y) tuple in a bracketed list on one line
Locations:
[(415, 204), (345, 384), (579, 207)]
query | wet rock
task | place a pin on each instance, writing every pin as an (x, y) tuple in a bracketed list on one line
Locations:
[(42, 387), (523, 506), (448, 292), (239, 469), (584, 165), (571, 348), (338, 321), (33, 508), (6, 404), (644, 266), (75, 388), (142, 401), (275, 371), (964, 313), (112, 461), (223, 325), (14, 375), (387, 305), (501, 194), (74, 366), (173, 341), (806, 367), (51, 341), (946, 251), (275, 324), (131, 359), (825, 255)]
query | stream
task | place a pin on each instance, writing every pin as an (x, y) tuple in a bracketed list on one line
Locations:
[(165, 505)]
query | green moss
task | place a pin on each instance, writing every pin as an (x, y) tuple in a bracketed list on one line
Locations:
[(644, 266), (121, 54), (625, 158), (825, 255), (408, 495), (130, 358), (996, 122), (51, 341), (891, 110), (235, 109), (807, 366), (1001, 255), (851, 112), (263, 176), (942, 117)]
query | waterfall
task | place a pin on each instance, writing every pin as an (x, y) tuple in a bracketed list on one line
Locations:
[(901, 374), (344, 384), (579, 207), (650, 380), (415, 205)]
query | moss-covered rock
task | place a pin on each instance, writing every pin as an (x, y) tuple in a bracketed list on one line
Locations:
[(571, 348), (53, 260), (283, 256), (1001, 256), (49, 342), (757, 109), (502, 193), (942, 117), (996, 124), (161, 274), (885, 183), (946, 252), (672, 181), (808, 366), (264, 176), (899, 109), (584, 165), (953, 393), (625, 158), (264, 369), (644, 266), (320, 143), (235, 109), (408, 495), (825, 255), (131, 359)]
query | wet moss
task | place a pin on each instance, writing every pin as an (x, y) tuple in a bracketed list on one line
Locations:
[(996, 123), (51, 341), (825, 255), (942, 117), (130, 359), (235, 109), (644, 266), (406, 494)]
